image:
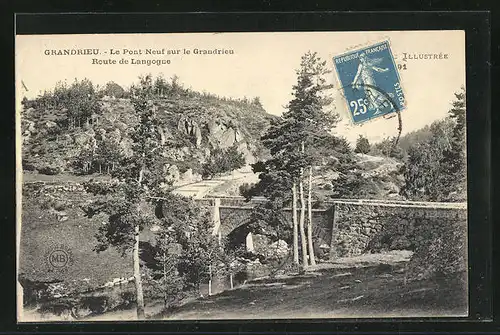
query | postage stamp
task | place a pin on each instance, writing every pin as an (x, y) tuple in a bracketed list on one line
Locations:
[(370, 82)]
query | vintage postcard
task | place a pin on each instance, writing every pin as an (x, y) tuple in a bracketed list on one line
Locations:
[(219, 176)]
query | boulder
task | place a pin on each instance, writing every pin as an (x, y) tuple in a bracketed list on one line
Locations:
[(187, 176), (227, 138), (197, 135), (237, 135), (279, 248), (171, 173), (50, 124)]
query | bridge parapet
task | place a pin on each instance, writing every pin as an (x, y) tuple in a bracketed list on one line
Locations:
[(353, 226)]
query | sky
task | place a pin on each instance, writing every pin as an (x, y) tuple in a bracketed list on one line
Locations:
[(262, 64)]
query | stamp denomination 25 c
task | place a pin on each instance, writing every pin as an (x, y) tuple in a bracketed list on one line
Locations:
[(370, 82)]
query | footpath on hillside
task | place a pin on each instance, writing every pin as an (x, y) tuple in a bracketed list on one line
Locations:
[(222, 184)]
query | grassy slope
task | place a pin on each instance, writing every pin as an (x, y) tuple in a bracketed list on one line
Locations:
[(42, 232), (365, 286)]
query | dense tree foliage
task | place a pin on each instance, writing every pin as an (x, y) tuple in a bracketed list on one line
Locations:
[(295, 142), (436, 168), (114, 90), (222, 160), (454, 162), (187, 251), (388, 147)]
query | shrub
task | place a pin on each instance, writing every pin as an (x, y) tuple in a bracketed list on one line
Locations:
[(28, 166), (246, 189), (223, 160), (362, 145), (96, 304), (441, 249), (50, 170)]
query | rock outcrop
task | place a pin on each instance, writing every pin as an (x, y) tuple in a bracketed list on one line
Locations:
[(223, 134), (186, 128), (190, 127)]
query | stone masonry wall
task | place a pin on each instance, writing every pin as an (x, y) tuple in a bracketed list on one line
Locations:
[(353, 227), (363, 227), (232, 217)]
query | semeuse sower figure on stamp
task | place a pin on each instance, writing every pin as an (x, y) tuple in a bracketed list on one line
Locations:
[(365, 78)]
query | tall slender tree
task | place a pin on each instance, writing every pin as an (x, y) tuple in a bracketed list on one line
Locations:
[(313, 124), (310, 244), (126, 199)]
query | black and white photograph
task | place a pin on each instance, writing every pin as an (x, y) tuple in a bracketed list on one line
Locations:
[(223, 176)]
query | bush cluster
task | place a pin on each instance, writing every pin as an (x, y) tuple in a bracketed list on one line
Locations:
[(440, 249), (222, 160)]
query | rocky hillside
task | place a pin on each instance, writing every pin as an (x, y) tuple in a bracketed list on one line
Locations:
[(369, 177), (189, 128)]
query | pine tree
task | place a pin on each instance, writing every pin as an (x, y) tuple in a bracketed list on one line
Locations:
[(453, 163), (294, 142), (362, 145), (422, 173)]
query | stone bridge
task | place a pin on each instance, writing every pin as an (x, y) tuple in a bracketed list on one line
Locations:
[(347, 226)]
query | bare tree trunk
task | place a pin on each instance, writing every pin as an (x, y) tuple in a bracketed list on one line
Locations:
[(210, 280), (301, 220), (138, 279), (141, 173), (309, 221), (295, 225), (231, 280)]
